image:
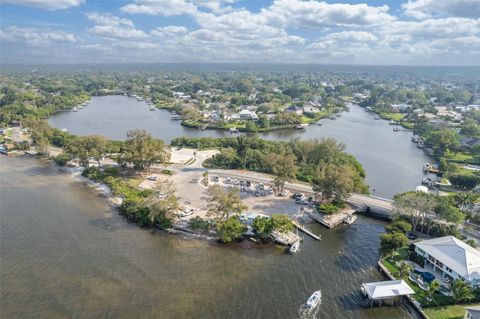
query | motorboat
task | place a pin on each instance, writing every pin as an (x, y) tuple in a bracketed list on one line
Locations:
[(75, 109), (350, 219), (332, 117), (152, 108), (314, 300), (294, 248)]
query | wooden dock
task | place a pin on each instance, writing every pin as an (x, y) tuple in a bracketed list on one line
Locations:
[(332, 220), (306, 231), (288, 238)]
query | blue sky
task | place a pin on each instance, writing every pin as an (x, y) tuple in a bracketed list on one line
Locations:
[(402, 32)]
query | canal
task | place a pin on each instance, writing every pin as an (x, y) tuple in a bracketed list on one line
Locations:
[(392, 162), (66, 254)]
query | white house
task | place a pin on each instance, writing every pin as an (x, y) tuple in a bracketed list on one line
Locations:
[(452, 257), (472, 312), (247, 115)]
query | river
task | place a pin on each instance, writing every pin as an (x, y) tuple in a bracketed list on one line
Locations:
[(392, 162), (65, 254)]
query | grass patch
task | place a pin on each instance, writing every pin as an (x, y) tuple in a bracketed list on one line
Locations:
[(458, 157), (392, 116), (446, 312)]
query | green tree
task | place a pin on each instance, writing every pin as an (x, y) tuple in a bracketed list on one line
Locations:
[(222, 204), (443, 140), (333, 182), (96, 147), (390, 243), (461, 291), (163, 203), (282, 223), (417, 206), (283, 167), (142, 150), (404, 270), (230, 229), (432, 289), (263, 226), (398, 226)]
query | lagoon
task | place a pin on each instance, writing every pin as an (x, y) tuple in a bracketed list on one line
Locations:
[(392, 162)]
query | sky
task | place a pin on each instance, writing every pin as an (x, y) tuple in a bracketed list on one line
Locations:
[(364, 32)]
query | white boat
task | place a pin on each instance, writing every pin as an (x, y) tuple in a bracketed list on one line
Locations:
[(314, 300), (152, 108), (350, 219), (233, 130), (294, 248), (75, 109)]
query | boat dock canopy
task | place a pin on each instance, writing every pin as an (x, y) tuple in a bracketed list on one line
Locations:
[(386, 289)]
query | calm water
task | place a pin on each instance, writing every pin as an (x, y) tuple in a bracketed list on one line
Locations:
[(392, 162), (65, 254)]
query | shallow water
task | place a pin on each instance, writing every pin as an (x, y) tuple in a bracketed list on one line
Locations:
[(65, 254)]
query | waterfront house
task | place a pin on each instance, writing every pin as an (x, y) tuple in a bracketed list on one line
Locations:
[(469, 142), (310, 110), (246, 115), (452, 258), (294, 109), (472, 312)]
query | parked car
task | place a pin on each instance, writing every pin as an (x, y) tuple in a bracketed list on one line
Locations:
[(302, 201), (270, 190), (214, 178), (228, 180), (186, 213), (152, 177), (284, 193), (248, 183), (411, 236), (296, 195)]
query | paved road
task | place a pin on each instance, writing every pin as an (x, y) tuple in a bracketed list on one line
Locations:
[(358, 200)]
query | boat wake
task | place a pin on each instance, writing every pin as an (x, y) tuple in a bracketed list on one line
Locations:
[(307, 313)]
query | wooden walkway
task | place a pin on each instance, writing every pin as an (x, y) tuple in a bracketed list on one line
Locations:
[(306, 231)]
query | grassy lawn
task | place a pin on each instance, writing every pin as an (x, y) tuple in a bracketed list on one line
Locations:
[(9, 132), (460, 157), (392, 116), (408, 125), (446, 312)]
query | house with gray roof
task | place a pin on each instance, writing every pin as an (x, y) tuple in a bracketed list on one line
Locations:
[(452, 257)]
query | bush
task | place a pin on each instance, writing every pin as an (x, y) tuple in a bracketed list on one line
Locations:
[(472, 243), (198, 223), (62, 159), (398, 226), (464, 181), (94, 173), (328, 208), (167, 172), (231, 230), (112, 171)]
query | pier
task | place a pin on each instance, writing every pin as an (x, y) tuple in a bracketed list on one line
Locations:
[(306, 231)]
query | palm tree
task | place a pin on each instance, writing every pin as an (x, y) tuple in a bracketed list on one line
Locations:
[(405, 269), (461, 291), (432, 288)]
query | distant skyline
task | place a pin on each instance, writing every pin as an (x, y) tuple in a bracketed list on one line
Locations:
[(376, 32)]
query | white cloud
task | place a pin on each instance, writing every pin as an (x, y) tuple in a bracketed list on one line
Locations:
[(109, 31), (421, 9), (351, 36), (168, 31), (434, 28), (314, 14), (111, 26), (160, 7), (46, 4), (35, 37), (108, 19)]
